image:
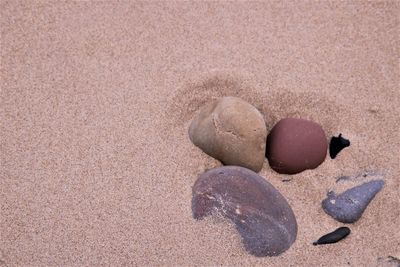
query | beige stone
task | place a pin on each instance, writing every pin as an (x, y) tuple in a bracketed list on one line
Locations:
[(232, 131)]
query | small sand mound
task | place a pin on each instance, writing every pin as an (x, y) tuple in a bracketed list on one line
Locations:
[(273, 103)]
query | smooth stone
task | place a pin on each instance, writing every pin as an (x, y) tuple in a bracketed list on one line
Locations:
[(232, 131), (348, 206), (295, 145), (260, 213), (337, 144), (333, 237)]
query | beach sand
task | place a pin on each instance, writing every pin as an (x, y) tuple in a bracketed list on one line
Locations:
[(96, 99)]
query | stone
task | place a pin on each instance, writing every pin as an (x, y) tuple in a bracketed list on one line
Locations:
[(232, 131), (261, 215), (348, 206), (295, 145), (337, 144), (333, 237)]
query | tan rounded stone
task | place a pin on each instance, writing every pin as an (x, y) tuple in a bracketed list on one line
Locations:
[(232, 131)]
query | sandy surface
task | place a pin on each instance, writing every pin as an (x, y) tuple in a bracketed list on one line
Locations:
[(96, 99)]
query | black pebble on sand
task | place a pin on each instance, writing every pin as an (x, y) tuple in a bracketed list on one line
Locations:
[(337, 144), (333, 237)]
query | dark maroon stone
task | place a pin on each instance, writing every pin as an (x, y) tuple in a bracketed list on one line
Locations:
[(260, 213), (295, 145)]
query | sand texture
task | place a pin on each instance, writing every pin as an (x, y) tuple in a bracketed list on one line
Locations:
[(97, 167)]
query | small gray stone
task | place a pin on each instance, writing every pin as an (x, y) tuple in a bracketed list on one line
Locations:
[(348, 206)]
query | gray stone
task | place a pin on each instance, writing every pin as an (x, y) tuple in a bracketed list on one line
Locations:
[(260, 213), (348, 206), (232, 131)]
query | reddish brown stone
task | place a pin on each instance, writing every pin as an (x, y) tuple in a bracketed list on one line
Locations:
[(295, 145), (260, 213)]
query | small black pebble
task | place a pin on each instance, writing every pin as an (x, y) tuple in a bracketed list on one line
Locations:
[(333, 237), (337, 144)]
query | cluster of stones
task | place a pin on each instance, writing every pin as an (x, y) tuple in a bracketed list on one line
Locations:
[(234, 132)]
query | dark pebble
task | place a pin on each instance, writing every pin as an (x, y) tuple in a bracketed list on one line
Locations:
[(260, 213), (333, 237), (337, 144)]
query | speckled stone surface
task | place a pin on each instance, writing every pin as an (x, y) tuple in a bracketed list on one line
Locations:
[(260, 213), (348, 206), (232, 131)]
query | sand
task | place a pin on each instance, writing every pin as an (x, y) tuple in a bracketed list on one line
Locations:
[(96, 99)]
